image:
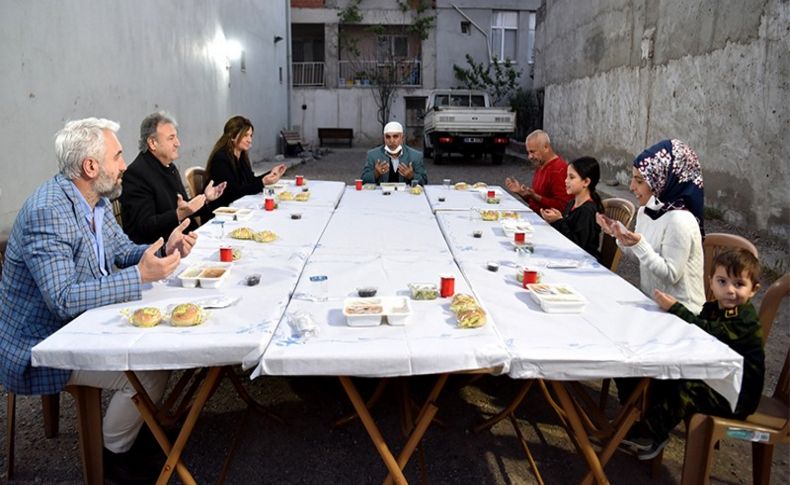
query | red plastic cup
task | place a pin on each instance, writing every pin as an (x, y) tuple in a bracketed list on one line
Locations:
[(530, 277), (226, 254), (358, 184), (491, 194), (299, 180), (519, 237), (447, 286), (268, 203)]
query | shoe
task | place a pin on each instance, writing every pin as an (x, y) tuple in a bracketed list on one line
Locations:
[(653, 451), (125, 469), (637, 443)]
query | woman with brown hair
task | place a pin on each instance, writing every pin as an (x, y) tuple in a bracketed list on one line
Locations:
[(230, 162)]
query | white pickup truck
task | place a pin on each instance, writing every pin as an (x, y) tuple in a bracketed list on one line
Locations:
[(463, 121)]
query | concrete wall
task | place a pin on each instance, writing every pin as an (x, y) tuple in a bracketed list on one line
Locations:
[(123, 60), (623, 74), (453, 45), (345, 108)]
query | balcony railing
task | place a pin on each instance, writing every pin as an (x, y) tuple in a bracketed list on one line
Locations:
[(308, 73), (367, 73)]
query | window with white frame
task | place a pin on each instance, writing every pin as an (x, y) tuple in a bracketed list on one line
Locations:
[(389, 47), (504, 26), (531, 38)]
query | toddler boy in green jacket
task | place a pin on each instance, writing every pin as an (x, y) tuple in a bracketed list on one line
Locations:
[(732, 319)]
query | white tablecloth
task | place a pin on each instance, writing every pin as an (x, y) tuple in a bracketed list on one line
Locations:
[(389, 241), (620, 333), (324, 194), (471, 199), (374, 201), (429, 343), (102, 339)]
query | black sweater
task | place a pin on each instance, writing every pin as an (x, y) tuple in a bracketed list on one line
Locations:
[(241, 181), (149, 199), (579, 226)]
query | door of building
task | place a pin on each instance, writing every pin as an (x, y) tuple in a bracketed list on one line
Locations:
[(415, 111)]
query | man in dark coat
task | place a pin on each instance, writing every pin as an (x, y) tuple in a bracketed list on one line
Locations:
[(153, 200)]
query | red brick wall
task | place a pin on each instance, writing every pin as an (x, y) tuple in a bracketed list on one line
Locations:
[(307, 3)]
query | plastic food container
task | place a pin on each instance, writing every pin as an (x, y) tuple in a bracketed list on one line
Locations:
[(424, 291), (363, 312), (189, 277), (397, 310), (233, 214), (557, 298), (212, 276), (396, 186)]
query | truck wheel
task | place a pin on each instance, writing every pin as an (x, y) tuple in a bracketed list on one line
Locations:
[(427, 152), (437, 156), (496, 158)]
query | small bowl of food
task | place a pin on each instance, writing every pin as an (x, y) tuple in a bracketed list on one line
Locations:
[(477, 234), (424, 291), (367, 291), (296, 216)]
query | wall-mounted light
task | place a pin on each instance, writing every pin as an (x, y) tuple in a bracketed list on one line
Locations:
[(233, 50), (277, 39)]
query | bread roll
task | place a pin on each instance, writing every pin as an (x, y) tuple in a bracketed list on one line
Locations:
[(186, 315), (146, 317)]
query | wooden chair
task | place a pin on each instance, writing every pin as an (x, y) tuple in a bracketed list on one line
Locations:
[(196, 181), (620, 210), (624, 211), (50, 404), (116, 211), (769, 425), (715, 243)]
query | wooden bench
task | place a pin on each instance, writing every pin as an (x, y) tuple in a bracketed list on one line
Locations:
[(335, 134), (292, 143)]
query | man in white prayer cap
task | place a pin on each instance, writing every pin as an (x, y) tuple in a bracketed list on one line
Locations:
[(394, 161)]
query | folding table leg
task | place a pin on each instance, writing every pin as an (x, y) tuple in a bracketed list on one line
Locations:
[(509, 410), (580, 433), (372, 429), (148, 410), (422, 422), (245, 396), (372, 401)]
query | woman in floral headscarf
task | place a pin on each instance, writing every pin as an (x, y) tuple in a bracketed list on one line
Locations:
[(667, 239)]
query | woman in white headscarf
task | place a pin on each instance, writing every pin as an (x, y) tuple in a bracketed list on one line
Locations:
[(667, 239)]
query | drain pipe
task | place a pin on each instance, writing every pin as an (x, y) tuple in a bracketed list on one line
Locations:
[(485, 34)]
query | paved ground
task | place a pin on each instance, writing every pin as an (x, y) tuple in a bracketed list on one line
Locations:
[(309, 450)]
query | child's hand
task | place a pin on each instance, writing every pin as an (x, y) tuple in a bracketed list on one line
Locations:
[(550, 215), (664, 301)]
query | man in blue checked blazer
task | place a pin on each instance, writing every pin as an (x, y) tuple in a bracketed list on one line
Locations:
[(66, 254)]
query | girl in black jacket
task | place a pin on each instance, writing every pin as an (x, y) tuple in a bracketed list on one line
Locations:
[(577, 223)]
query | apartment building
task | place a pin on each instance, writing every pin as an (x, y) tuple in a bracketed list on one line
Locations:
[(346, 54)]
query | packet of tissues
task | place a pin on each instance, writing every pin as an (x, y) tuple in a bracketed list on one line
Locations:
[(302, 325)]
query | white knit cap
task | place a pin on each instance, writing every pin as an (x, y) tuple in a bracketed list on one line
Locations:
[(393, 127)]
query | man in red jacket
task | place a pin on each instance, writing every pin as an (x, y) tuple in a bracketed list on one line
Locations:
[(548, 184)]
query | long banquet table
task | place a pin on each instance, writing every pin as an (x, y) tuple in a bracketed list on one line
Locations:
[(363, 238), (102, 338)]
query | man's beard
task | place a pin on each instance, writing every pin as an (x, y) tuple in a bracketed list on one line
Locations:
[(105, 186)]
